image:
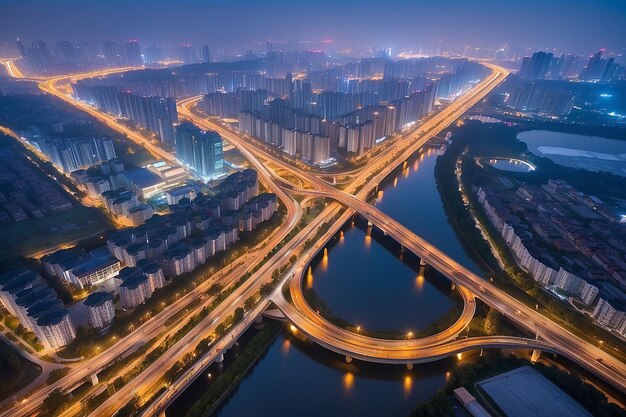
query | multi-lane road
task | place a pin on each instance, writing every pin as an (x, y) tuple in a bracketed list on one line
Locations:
[(156, 324), (568, 344), (359, 188)]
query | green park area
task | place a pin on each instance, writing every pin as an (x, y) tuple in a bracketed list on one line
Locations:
[(35, 236)]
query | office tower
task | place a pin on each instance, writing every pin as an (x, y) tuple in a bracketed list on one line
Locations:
[(132, 52), (535, 67), (599, 68), (111, 53), (65, 53), (201, 151), (206, 54), (38, 57)]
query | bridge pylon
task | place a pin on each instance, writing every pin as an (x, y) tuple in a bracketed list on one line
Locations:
[(535, 356), (94, 379), (348, 359)]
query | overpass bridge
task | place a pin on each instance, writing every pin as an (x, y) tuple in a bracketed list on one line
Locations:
[(554, 338), (562, 341)]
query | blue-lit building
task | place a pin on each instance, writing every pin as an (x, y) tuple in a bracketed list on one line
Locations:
[(201, 151)]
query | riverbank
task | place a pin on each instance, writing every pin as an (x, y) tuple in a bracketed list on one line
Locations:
[(224, 385), (474, 139)]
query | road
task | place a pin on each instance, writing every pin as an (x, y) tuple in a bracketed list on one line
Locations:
[(156, 324), (363, 183), (568, 344), (149, 382)]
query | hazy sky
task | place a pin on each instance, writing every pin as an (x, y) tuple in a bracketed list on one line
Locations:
[(581, 25)]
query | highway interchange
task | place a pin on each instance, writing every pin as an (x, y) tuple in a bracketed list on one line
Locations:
[(347, 203)]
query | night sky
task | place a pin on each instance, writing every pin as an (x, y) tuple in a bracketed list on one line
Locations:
[(570, 25)]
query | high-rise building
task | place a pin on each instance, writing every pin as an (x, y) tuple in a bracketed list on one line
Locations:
[(535, 67), (100, 309), (27, 296), (132, 52), (206, 54), (201, 151)]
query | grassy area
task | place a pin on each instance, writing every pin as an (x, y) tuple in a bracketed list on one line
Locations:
[(33, 236), (15, 371)]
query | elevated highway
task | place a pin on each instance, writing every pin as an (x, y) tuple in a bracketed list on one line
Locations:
[(559, 339)]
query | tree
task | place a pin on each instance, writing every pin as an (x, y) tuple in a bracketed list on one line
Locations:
[(249, 303), (266, 289), (55, 402), (437, 406), (57, 374), (220, 329), (238, 314), (215, 289), (493, 321)]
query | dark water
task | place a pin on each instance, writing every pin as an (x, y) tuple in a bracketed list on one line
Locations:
[(361, 281), (366, 281), (297, 378)]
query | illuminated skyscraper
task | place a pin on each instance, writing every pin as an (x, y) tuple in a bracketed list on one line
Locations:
[(201, 150)]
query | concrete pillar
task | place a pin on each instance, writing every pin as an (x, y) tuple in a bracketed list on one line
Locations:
[(259, 319), (348, 359), (94, 379), (535, 356), (422, 262), (369, 223), (481, 352), (453, 286), (334, 180), (409, 366), (402, 249), (219, 358)]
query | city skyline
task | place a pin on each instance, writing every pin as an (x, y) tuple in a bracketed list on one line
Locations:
[(312, 208), (582, 26)]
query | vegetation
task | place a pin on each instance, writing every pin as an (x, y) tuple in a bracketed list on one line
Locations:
[(477, 139), (437, 406), (15, 371), (57, 374)]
